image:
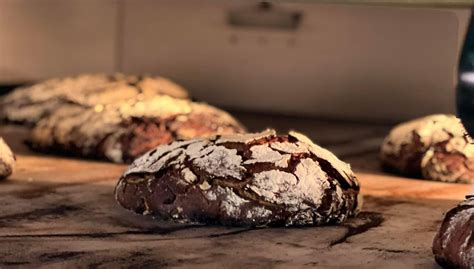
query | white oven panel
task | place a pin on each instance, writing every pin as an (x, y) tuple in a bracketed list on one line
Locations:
[(338, 61)]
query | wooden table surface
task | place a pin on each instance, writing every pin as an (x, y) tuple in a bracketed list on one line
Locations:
[(59, 212)]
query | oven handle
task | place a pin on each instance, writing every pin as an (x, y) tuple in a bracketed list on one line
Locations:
[(265, 15)]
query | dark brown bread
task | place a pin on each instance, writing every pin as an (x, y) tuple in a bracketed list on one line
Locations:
[(29, 105), (122, 131), (249, 179), (7, 160), (422, 147), (453, 245)]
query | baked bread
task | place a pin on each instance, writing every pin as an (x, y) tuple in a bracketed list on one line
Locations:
[(450, 161), (122, 131), (453, 245), (7, 160), (30, 104), (248, 179), (407, 144)]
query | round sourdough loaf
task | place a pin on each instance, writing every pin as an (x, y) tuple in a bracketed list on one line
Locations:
[(30, 104), (122, 131), (406, 145), (247, 179), (7, 160), (453, 245), (450, 161)]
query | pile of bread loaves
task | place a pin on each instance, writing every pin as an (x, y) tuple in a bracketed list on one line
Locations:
[(207, 168), (192, 162), (117, 117)]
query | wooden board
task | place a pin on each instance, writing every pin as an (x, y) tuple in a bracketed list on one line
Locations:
[(60, 213)]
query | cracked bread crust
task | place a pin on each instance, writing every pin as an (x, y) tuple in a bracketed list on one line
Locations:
[(407, 144), (121, 132), (29, 105), (453, 245), (450, 161), (7, 160), (245, 180)]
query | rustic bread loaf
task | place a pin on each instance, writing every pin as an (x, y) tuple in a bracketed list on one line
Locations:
[(31, 104), (7, 160), (248, 179), (122, 131), (453, 245), (450, 161), (405, 147)]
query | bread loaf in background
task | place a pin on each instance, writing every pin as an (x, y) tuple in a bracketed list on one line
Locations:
[(7, 160), (122, 131), (244, 179), (453, 245), (30, 104), (435, 147), (450, 161), (113, 117)]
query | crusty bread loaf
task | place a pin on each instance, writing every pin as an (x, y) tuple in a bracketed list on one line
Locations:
[(404, 147), (7, 160), (450, 161), (122, 131), (453, 245), (435, 147), (249, 179), (30, 104)]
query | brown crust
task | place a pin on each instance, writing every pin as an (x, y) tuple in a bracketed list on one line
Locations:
[(450, 161), (407, 161), (7, 160), (226, 184), (418, 148), (123, 131), (453, 245), (28, 105)]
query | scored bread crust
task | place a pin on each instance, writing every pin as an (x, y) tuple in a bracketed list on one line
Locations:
[(450, 161), (250, 179), (7, 160), (122, 131), (453, 245), (406, 145), (30, 104)]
